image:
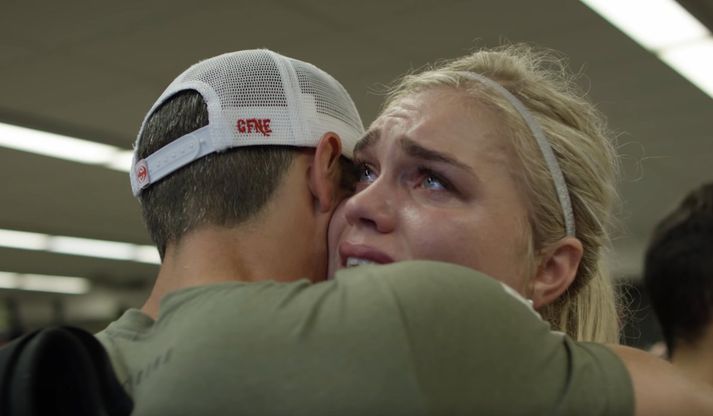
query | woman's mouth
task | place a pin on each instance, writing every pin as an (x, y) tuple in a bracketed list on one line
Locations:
[(357, 254), (356, 261)]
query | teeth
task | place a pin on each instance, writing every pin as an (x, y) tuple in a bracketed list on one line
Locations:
[(355, 261)]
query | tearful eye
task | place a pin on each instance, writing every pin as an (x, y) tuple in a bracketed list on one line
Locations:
[(434, 183), (366, 174)]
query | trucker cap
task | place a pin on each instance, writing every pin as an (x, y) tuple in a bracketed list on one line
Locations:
[(254, 97)]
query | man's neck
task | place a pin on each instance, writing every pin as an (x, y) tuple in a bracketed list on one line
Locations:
[(696, 359), (248, 253), (286, 241)]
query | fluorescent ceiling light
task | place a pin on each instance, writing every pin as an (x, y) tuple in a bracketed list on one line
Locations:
[(64, 147), (44, 283), (146, 254), (116, 250), (91, 248), (121, 161), (665, 28), (694, 61), (654, 24), (23, 240)]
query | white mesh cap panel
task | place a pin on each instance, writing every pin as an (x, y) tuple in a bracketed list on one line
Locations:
[(254, 97), (335, 109)]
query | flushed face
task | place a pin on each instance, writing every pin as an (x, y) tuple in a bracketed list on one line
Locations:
[(437, 182)]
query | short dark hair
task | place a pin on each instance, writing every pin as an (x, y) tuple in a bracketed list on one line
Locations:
[(678, 270), (223, 189)]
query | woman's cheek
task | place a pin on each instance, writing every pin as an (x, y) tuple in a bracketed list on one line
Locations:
[(337, 226)]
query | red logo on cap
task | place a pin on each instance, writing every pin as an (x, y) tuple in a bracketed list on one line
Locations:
[(142, 173), (254, 125)]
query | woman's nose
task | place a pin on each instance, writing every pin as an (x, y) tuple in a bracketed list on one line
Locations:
[(373, 207)]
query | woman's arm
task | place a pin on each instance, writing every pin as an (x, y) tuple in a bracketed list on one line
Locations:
[(660, 389)]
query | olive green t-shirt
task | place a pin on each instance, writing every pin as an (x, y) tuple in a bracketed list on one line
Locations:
[(412, 338)]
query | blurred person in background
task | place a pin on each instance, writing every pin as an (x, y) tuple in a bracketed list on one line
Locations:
[(678, 276)]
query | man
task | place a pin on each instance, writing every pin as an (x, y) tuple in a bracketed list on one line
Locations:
[(255, 146), (679, 278), (233, 218)]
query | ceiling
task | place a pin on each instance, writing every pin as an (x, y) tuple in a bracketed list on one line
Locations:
[(92, 69)]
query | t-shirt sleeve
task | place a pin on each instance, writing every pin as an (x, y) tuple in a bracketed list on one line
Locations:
[(476, 348), (599, 381)]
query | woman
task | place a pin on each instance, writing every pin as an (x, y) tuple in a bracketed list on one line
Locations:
[(496, 162)]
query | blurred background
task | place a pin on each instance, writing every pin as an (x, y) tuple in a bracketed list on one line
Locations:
[(77, 77)]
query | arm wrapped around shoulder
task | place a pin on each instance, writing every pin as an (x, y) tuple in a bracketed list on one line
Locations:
[(474, 347)]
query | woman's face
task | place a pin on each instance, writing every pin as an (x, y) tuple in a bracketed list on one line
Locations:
[(436, 183)]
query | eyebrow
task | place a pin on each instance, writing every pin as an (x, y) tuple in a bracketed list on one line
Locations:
[(417, 151), (370, 139), (412, 149)]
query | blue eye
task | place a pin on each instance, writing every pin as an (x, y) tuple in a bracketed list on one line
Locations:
[(366, 174), (434, 183)]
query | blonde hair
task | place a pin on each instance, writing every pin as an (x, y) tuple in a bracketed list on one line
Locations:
[(577, 133)]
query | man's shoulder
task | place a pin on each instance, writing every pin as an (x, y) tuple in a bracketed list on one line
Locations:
[(425, 268), (429, 283), (416, 275)]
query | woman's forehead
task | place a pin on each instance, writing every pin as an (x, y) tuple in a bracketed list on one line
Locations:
[(443, 119)]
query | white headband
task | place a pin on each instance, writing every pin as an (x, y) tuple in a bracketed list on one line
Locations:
[(545, 148)]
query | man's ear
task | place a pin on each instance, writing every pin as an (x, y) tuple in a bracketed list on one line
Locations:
[(556, 272), (324, 172)]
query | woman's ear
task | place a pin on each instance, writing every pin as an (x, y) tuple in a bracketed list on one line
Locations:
[(556, 272), (324, 172)]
